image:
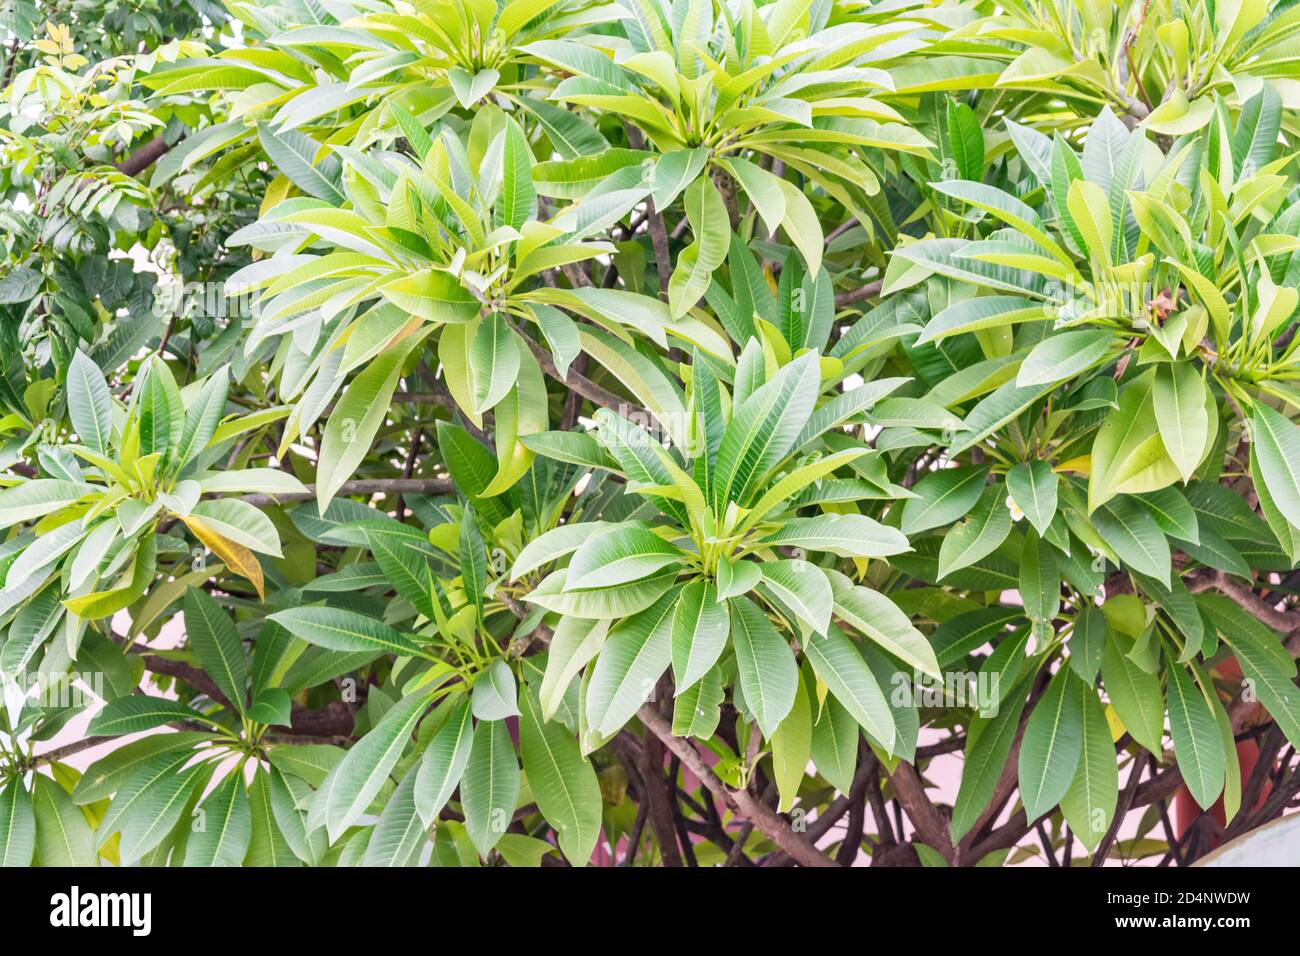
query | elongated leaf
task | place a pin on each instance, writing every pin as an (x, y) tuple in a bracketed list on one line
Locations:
[(767, 673), (227, 827), (700, 629), (1053, 742), (212, 636), (490, 787), (562, 781)]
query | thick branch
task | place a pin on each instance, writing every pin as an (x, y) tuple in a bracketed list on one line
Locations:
[(868, 291), (930, 825), (144, 157)]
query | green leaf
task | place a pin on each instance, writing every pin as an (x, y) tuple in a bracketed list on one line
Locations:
[(162, 414), (227, 828), (128, 715), (599, 603), (841, 667), (1064, 356), (400, 833), (17, 826), (495, 692), (1134, 694), (943, 497), (700, 629), (988, 745), (1089, 804), (1087, 642), (1040, 583), (90, 406), (847, 535), (695, 264), (634, 657), (1032, 486), (562, 782), (340, 630), (799, 587), (1264, 662), (444, 761), (211, 634), (766, 669), (573, 645), (1053, 742), (202, 416), (620, 556), (149, 806), (1092, 217), (517, 193), (293, 153), (978, 535), (33, 499), (494, 362), (736, 577), (63, 835), (965, 140), (1128, 454), (877, 617), (1179, 396), (106, 775), (358, 777), (835, 744), (1277, 449), (356, 418), (763, 430), (1195, 733), (1135, 537), (490, 787)]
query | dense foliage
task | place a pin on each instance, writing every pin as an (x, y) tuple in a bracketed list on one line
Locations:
[(656, 431)]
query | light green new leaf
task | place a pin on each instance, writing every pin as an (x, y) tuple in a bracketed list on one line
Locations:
[(792, 749), (1181, 414)]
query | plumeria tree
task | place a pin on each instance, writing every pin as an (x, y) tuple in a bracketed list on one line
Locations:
[(706, 432)]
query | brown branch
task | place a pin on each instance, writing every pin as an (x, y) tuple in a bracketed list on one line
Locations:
[(741, 802), (929, 823), (868, 291), (145, 156)]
